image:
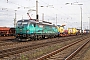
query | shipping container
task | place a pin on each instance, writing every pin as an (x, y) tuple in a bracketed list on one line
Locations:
[(72, 31)]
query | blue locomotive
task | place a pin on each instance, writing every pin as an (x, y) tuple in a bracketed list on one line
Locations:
[(32, 29)]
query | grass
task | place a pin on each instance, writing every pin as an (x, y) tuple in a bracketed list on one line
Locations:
[(40, 51), (33, 54)]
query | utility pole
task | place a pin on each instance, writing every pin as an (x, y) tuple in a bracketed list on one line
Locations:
[(37, 10), (42, 16), (81, 20), (7, 1), (22, 17), (81, 13), (89, 24), (15, 19), (56, 19)]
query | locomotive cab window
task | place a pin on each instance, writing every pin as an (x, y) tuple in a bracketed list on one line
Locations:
[(34, 25)]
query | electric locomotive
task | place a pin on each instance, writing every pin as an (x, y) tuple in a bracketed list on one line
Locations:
[(32, 29)]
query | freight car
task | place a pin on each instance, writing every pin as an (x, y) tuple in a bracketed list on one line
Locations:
[(69, 32), (72, 31), (62, 32), (86, 31), (12, 32), (32, 29), (7, 31)]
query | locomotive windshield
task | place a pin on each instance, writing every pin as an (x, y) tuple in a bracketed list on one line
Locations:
[(22, 23)]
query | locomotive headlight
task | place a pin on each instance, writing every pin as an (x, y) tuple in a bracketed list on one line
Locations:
[(27, 31)]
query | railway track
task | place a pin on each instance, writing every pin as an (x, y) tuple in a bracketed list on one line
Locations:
[(66, 52), (10, 43), (17, 50), (76, 51), (13, 42)]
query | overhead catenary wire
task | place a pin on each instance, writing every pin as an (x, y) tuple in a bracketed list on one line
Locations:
[(56, 9), (63, 15)]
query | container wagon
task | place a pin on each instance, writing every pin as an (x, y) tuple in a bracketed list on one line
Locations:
[(72, 31)]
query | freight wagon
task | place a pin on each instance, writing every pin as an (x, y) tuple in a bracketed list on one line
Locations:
[(7, 31), (60, 30), (72, 31), (12, 32), (86, 31)]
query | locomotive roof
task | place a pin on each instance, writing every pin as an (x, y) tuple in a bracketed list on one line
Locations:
[(46, 24), (29, 20), (35, 21)]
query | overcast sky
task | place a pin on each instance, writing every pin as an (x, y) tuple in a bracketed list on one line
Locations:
[(67, 14)]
